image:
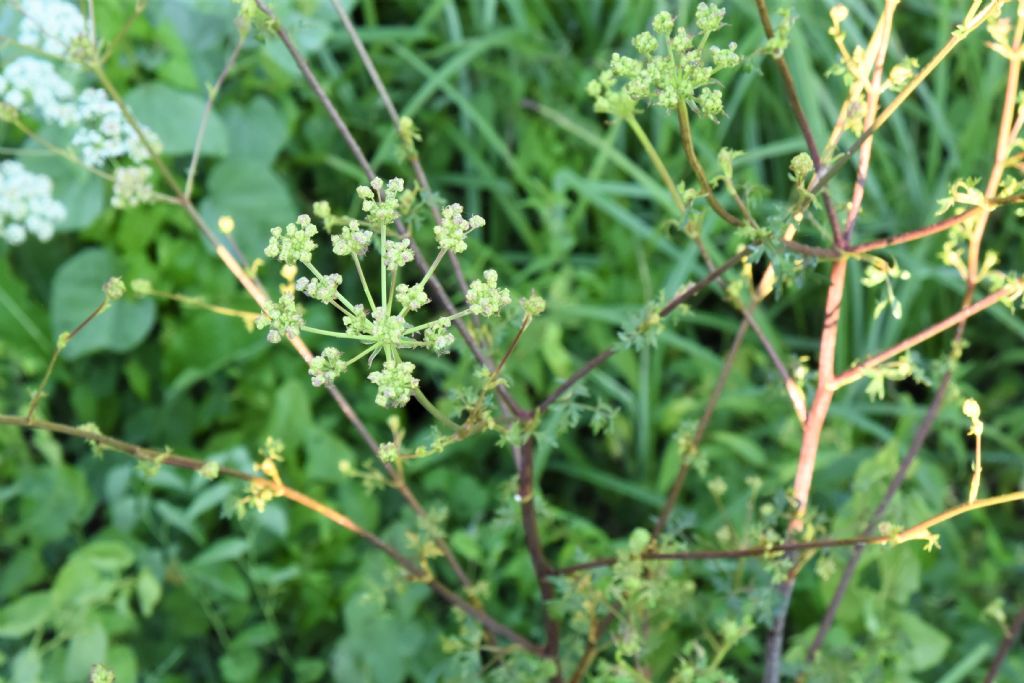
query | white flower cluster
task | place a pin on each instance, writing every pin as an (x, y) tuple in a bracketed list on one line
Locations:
[(35, 89), (27, 205), (380, 324), (50, 25)]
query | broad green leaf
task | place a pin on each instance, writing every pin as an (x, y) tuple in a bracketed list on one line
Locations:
[(148, 589), (253, 195), (25, 614), (220, 551), (174, 115), (257, 130), (107, 555), (78, 290), (88, 646)]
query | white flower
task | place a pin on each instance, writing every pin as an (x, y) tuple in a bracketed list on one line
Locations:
[(50, 25), (105, 134), (27, 205), (132, 187), (30, 83)]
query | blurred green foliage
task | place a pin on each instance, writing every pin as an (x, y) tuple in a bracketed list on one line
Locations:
[(151, 575)]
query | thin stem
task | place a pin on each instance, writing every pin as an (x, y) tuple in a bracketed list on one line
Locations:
[(193, 163), (916, 444), (325, 511), (61, 344), (1004, 647), (824, 175), (389, 106), (434, 410), (698, 436), (362, 280), (338, 335), (858, 371), (659, 164), (600, 358), (881, 40), (686, 134), (921, 531)]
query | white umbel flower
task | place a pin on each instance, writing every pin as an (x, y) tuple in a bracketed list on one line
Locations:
[(27, 206)]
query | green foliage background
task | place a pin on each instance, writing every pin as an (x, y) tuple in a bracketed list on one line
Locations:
[(153, 577)]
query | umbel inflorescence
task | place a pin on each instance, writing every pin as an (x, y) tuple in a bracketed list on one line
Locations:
[(381, 323), (674, 68)]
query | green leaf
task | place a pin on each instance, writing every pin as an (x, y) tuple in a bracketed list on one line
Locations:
[(252, 194), (83, 194), (149, 590), (27, 666), (174, 115), (927, 645), (107, 555), (77, 291), (24, 615), (257, 130), (220, 551), (88, 646)]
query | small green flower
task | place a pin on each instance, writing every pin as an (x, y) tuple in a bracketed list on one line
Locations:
[(413, 298), (387, 329), (451, 234), (645, 43), (326, 367), (357, 322), (710, 103), (283, 317), (380, 203), (437, 337), (709, 17), (324, 290), (133, 186), (395, 383), (352, 241), (800, 167), (663, 23), (388, 452), (396, 254), (114, 289), (294, 243), (485, 297)]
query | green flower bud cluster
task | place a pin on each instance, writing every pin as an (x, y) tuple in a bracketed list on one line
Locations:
[(673, 69), (380, 323)]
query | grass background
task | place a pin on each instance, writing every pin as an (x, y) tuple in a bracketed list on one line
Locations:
[(575, 213)]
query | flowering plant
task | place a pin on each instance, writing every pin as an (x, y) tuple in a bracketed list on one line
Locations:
[(381, 324)]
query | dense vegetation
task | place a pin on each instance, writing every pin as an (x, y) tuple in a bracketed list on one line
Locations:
[(513, 511)]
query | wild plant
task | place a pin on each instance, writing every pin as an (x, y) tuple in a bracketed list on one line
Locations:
[(403, 307)]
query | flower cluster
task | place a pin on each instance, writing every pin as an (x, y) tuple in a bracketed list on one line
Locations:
[(27, 205), (381, 323), (32, 88), (50, 26), (673, 69)]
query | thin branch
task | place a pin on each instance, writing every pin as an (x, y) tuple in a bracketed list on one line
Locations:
[(824, 175), (857, 371), (873, 95), (541, 567), (916, 444), (61, 344), (435, 284), (329, 513), (698, 436), (698, 169), (922, 531), (389, 106), (193, 163), (1004, 646), (600, 358), (794, 105)]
